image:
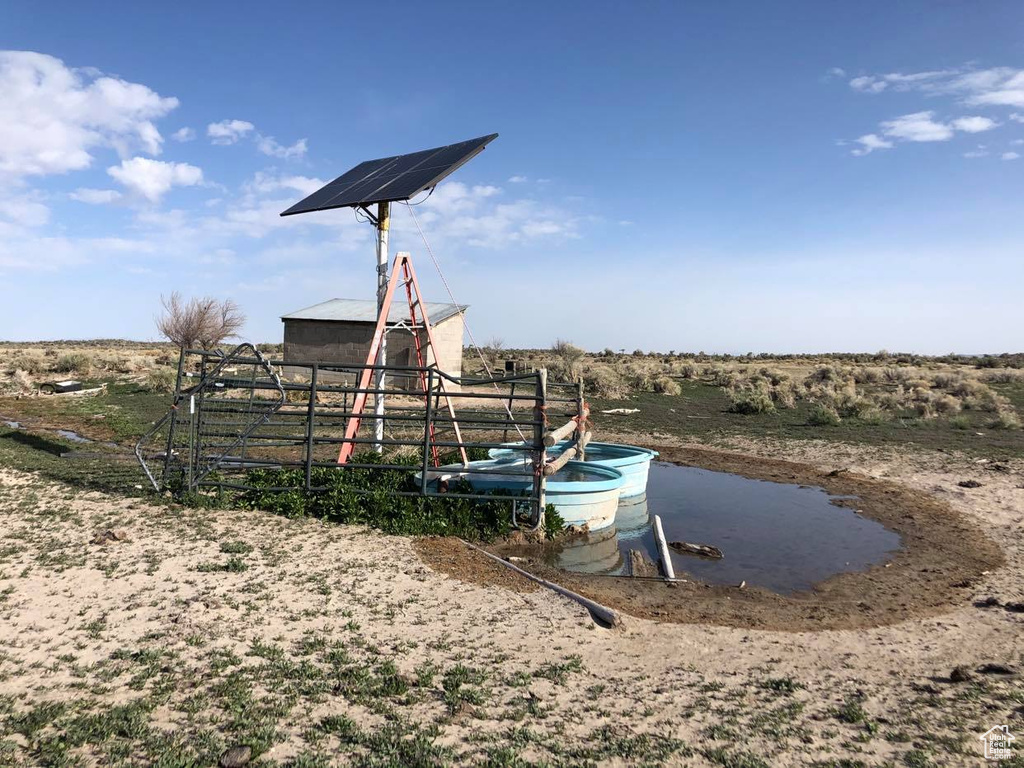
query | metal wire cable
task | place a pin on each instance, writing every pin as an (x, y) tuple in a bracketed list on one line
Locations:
[(462, 314)]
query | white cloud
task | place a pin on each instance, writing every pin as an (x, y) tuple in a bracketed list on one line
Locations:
[(918, 126), (232, 131), (269, 146), (974, 124), (1003, 87), (49, 252), (183, 134), (247, 220), (153, 178), (921, 127), (1010, 155), (996, 86), (869, 143), (836, 72), (478, 216), (1017, 142), (993, 87), (517, 179), (228, 131), (981, 151), (95, 196), (53, 116), (868, 84), (24, 211), (898, 81)]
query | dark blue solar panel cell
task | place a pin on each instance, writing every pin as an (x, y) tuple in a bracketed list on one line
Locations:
[(391, 178), (363, 190), (408, 184)]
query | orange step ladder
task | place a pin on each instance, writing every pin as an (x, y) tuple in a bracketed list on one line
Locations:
[(401, 273)]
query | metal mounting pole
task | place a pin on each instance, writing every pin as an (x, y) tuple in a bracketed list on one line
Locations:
[(383, 226)]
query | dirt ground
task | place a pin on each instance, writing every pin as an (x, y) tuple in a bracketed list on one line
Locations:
[(189, 631)]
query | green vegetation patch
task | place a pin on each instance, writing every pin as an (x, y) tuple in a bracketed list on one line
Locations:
[(372, 497)]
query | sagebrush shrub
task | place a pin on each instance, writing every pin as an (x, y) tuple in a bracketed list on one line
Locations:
[(603, 381), (946, 404), (896, 375), (688, 371), (21, 382), (720, 377), (568, 364), (823, 416), (784, 394), (867, 375), (873, 417), (31, 364), (75, 362), (666, 385), (1005, 419), (1003, 376), (946, 380), (752, 401), (160, 379), (823, 374)]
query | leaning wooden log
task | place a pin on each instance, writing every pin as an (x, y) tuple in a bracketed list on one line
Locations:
[(566, 456), (602, 613), (560, 461), (703, 550), (561, 433)]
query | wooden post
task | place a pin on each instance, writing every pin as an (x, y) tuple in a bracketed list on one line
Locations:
[(539, 481), (581, 419), (511, 405)]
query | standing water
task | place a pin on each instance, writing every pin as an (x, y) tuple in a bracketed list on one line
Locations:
[(779, 536)]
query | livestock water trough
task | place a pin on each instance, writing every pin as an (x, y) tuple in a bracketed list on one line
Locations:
[(632, 461), (584, 493)]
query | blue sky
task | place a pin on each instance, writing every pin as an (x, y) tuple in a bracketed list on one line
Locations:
[(724, 177)]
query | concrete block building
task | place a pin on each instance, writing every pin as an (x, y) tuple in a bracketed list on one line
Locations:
[(340, 331)]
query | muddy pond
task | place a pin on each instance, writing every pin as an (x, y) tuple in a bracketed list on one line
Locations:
[(778, 536)]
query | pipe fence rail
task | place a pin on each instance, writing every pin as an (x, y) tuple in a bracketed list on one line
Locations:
[(237, 412)]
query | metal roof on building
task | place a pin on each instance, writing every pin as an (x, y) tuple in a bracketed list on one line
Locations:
[(360, 311)]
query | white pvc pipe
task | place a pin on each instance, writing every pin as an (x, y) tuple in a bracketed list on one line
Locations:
[(666, 558), (604, 613)]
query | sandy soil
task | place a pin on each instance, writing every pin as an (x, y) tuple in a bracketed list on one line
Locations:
[(81, 619)]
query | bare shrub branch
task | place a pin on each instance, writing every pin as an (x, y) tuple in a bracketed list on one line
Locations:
[(205, 322)]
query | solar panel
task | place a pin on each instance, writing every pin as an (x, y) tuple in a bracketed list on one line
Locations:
[(391, 178)]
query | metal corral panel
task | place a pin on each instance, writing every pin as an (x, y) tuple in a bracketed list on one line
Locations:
[(360, 311)]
